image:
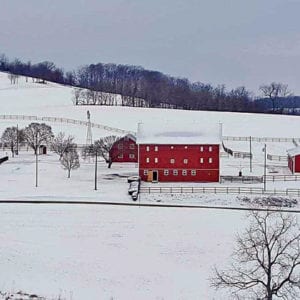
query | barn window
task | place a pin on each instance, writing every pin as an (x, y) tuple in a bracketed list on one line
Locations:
[(185, 161), (147, 148), (210, 160), (131, 146), (155, 148), (185, 147), (210, 148), (184, 172), (156, 160), (120, 146), (175, 172), (145, 172), (201, 149), (131, 155), (201, 160), (172, 147), (193, 172), (166, 172), (120, 155), (147, 159), (172, 161)]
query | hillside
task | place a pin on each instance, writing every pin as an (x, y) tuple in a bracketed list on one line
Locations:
[(54, 100)]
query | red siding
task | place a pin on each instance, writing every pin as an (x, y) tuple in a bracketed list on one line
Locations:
[(192, 170), (124, 150), (294, 159)]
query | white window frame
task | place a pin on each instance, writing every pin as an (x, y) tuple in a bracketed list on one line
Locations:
[(210, 148), (131, 155), (185, 161), (131, 146), (193, 172), (210, 160), (156, 160), (120, 155), (185, 147), (201, 160), (201, 148), (172, 161), (156, 148), (147, 148), (145, 172), (147, 160), (184, 172), (166, 172), (175, 172)]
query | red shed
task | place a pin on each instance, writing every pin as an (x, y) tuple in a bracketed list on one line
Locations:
[(190, 154), (294, 159), (124, 150)]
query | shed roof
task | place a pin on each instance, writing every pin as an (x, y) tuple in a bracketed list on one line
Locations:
[(294, 151), (178, 133)]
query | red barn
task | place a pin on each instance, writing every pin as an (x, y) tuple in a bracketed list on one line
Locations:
[(183, 155), (294, 159), (124, 150)]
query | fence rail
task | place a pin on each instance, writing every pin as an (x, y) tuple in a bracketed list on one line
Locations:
[(260, 139), (219, 190), (64, 120), (277, 157)]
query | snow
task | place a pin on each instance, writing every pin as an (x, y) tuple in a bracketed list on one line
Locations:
[(294, 151), (177, 133), (104, 252), (113, 252)]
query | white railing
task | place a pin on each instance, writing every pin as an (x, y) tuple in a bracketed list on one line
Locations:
[(64, 120)]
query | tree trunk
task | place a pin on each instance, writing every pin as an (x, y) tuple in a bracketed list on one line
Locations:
[(69, 173), (109, 163)]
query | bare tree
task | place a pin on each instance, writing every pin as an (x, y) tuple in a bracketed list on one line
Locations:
[(102, 148), (36, 134), (61, 144), (70, 160), (275, 90), (12, 137), (266, 259)]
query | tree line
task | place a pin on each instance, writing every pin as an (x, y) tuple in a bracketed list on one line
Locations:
[(138, 87)]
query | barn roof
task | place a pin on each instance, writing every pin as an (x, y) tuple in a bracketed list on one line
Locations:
[(178, 133), (294, 151)]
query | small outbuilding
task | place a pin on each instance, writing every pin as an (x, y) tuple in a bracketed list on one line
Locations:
[(42, 149), (124, 150), (294, 159)]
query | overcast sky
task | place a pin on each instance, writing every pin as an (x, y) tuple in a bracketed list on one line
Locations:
[(235, 42)]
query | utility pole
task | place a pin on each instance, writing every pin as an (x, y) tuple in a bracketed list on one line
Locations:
[(36, 160), (250, 155), (96, 169), (265, 168), (17, 151)]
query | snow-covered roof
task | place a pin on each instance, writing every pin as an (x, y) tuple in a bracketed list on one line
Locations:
[(178, 133), (294, 151)]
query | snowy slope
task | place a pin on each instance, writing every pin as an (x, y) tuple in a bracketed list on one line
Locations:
[(54, 100)]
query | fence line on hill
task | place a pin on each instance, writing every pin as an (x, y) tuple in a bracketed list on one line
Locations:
[(260, 139), (219, 190), (64, 120)]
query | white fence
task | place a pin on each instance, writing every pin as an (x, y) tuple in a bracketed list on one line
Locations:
[(260, 139), (64, 120), (277, 157), (219, 190)]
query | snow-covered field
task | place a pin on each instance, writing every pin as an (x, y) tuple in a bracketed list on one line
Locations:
[(112, 252), (100, 252)]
